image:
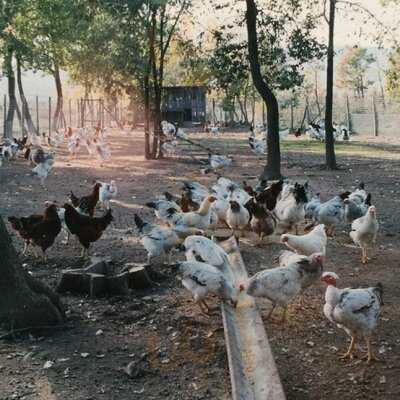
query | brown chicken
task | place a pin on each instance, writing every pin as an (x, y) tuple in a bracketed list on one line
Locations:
[(262, 222), (87, 229), (38, 230), (86, 204)]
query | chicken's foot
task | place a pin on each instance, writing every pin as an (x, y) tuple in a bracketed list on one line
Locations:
[(350, 351)]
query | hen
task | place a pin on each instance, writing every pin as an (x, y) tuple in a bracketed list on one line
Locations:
[(86, 204), (237, 217), (364, 231), (356, 311), (262, 222), (87, 229), (201, 278), (289, 208), (268, 197), (282, 284), (38, 230), (107, 192), (354, 209), (310, 243)]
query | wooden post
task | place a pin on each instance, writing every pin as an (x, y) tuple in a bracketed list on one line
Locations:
[(70, 112), (37, 115), (348, 114), (49, 116), (5, 115), (291, 115), (375, 116)]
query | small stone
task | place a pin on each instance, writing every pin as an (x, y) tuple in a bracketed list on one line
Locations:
[(99, 332), (85, 355), (382, 379), (48, 364), (165, 361)]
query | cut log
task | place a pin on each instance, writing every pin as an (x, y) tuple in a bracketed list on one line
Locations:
[(97, 284), (99, 267), (138, 276), (75, 281), (118, 284)]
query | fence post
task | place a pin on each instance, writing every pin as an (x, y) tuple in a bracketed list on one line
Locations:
[(37, 115), (5, 115), (49, 116), (375, 117), (348, 114), (70, 112)]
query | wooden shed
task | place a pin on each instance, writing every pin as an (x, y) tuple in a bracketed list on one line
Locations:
[(184, 104)]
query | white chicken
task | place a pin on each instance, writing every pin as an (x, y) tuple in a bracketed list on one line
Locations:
[(356, 311), (310, 243), (281, 285), (237, 217), (201, 219), (196, 191), (202, 249), (331, 213), (312, 208), (287, 257), (159, 241), (201, 278), (162, 208), (107, 191), (216, 162), (364, 231), (42, 170)]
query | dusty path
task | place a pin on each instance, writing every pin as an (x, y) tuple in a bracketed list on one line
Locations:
[(177, 352)]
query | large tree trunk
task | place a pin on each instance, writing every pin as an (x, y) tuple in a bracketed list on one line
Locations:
[(273, 168), (12, 101), (58, 118), (147, 153), (25, 108), (24, 301), (329, 139)]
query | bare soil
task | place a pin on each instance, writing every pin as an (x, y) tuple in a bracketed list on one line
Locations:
[(175, 352)]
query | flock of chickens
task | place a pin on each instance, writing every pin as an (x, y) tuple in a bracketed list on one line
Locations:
[(188, 223)]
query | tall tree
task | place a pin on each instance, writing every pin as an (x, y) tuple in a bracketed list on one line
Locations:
[(273, 167)]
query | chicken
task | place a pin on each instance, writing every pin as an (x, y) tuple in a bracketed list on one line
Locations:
[(310, 243), (196, 192), (216, 162), (35, 155), (262, 222), (289, 208), (202, 249), (356, 311), (331, 213), (42, 170), (281, 285), (86, 204), (364, 231), (248, 189), (287, 257), (162, 208), (201, 278), (257, 146), (200, 219), (237, 217), (107, 191), (312, 208), (354, 209), (359, 196), (38, 230), (268, 197), (87, 229)]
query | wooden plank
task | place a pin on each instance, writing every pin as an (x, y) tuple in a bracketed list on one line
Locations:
[(253, 371)]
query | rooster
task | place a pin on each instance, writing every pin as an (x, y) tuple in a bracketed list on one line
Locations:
[(86, 204), (38, 230), (87, 229)]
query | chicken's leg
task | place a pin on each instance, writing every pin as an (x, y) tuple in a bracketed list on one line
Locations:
[(370, 356), (25, 248), (349, 353), (364, 258), (272, 310)]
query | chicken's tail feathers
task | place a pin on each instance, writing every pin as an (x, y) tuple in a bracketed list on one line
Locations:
[(368, 200), (361, 186), (139, 222), (378, 290), (151, 204)]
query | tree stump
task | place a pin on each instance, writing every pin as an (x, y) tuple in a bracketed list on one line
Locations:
[(138, 276), (24, 301), (118, 284)]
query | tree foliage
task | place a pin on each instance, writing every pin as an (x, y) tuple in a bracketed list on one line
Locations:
[(353, 68)]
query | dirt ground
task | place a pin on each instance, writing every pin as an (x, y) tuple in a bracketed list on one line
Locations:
[(177, 353)]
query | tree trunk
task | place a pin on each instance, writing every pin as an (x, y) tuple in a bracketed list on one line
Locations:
[(147, 154), (272, 169), (24, 301), (316, 93), (12, 101), (58, 118), (242, 112), (329, 140), (25, 108)]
